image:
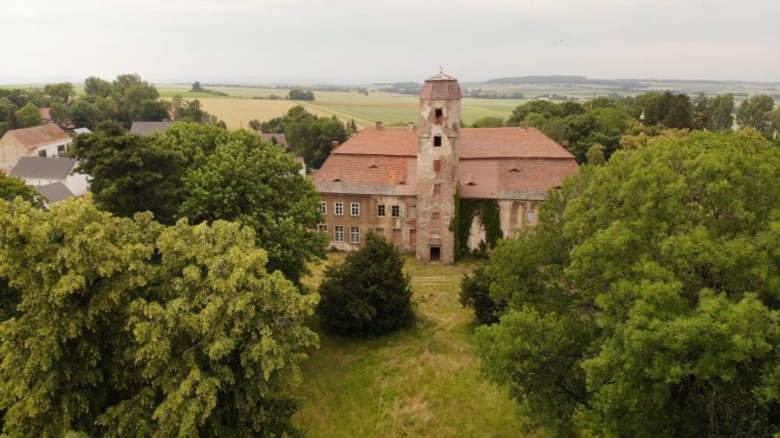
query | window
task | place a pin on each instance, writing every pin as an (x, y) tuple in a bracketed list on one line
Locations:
[(437, 140), (61, 150), (380, 210), (338, 208), (379, 231), (354, 234), (439, 114), (530, 216), (324, 207), (435, 217), (436, 189), (413, 211), (322, 228), (354, 209), (338, 233), (42, 153), (396, 211), (437, 166), (435, 253)]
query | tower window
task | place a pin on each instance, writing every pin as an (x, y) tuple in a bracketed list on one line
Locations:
[(435, 217), (436, 189), (438, 114), (437, 166), (437, 140)]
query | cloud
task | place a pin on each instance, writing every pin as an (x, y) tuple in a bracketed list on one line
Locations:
[(343, 41)]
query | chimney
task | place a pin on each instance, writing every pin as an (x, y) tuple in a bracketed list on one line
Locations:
[(523, 126), (410, 126), (334, 145), (378, 126)]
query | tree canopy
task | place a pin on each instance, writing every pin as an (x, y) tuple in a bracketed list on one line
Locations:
[(28, 116), (368, 293), (129, 328), (646, 302)]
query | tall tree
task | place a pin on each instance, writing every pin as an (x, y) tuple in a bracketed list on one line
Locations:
[(60, 114), (60, 92), (94, 86), (259, 185), (754, 113), (127, 328), (701, 115), (85, 114), (312, 138), (129, 173), (28, 116), (722, 108), (645, 304)]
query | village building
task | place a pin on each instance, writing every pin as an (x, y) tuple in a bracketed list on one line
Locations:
[(407, 183), (53, 178), (39, 141), (148, 128)]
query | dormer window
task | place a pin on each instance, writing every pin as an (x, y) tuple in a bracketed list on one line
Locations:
[(437, 140)]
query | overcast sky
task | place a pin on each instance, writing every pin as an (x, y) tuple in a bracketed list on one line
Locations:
[(382, 40)]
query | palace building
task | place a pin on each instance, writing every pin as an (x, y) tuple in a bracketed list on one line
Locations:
[(406, 183)]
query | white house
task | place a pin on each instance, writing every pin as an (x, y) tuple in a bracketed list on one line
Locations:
[(41, 141), (42, 173)]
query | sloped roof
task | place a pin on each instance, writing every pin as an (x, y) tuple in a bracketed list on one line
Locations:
[(474, 143), (38, 136), (43, 168), (146, 128), (55, 192), (82, 131), (440, 87), (496, 163)]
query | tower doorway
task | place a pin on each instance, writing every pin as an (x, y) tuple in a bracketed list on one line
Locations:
[(435, 253)]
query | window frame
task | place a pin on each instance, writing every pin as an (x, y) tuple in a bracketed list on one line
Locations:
[(437, 139), (353, 207), (354, 236), (338, 208), (395, 211), (338, 233), (532, 219), (381, 211), (324, 207)]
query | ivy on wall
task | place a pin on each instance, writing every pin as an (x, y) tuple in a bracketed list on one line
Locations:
[(465, 211)]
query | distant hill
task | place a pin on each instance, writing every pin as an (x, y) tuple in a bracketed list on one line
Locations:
[(575, 80)]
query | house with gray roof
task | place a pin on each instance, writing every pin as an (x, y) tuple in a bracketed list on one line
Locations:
[(148, 128), (39, 172), (54, 193)]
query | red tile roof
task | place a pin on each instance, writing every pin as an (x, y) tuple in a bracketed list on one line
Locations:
[(441, 87), (39, 136), (498, 163)]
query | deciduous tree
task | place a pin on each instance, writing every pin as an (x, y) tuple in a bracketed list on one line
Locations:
[(28, 116), (259, 185), (645, 304), (127, 328)]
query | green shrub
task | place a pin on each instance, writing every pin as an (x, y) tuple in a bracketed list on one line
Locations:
[(368, 293), (475, 294)]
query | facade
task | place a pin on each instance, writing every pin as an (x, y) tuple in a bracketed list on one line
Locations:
[(39, 141), (405, 182)]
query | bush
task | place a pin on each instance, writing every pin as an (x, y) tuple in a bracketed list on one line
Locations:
[(475, 294), (368, 293)]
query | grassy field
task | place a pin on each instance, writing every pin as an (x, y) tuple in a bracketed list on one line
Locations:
[(239, 107), (420, 382)]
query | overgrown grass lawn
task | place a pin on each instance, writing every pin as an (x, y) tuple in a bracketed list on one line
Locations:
[(423, 381)]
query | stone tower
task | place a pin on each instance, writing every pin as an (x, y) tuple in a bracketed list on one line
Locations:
[(438, 154)]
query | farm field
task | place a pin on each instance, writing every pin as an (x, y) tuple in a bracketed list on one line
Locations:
[(423, 381)]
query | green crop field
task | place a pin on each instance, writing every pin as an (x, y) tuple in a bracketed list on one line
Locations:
[(423, 381)]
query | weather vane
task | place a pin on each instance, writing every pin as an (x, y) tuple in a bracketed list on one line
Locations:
[(441, 70)]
